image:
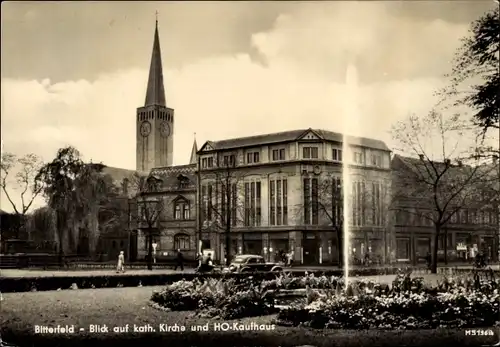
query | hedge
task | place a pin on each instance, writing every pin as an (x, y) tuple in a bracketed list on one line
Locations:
[(45, 283)]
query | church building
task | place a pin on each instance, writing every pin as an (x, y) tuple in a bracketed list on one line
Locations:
[(175, 227)]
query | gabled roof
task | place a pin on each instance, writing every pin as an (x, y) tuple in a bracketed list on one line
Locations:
[(171, 176), (290, 136)]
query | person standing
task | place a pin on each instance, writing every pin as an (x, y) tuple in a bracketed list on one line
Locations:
[(121, 262), (180, 261)]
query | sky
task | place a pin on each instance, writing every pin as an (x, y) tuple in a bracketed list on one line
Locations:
[(73, 73)]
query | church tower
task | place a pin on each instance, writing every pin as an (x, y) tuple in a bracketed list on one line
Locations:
[(155, 121)]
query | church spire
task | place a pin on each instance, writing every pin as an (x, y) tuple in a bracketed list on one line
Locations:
[(194, 151), (155, 94)]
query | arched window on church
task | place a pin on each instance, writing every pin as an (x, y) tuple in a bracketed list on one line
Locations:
[(181, 209), (181, 241)]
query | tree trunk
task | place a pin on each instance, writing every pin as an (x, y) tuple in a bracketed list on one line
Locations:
[(93, 228), (434, 259), (228, 244), (150, 249), (229, 210), (445, 246), (60, 235)]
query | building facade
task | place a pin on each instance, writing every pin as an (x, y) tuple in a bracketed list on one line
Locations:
[(175, 186), (285, 192), (175, 227), (471, 227)]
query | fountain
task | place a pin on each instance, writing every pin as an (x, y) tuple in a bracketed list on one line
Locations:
[(350, 122)]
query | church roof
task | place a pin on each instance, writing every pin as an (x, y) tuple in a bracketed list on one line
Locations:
[(155, 94), (294, 135), (172, 176), (118, 174)]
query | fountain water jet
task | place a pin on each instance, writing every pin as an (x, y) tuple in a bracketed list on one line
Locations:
[(350, 123)]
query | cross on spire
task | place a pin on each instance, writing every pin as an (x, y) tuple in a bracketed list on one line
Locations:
[(155, 94)]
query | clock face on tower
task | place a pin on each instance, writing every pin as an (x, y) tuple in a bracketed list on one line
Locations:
[(145, 128), (164, 129)]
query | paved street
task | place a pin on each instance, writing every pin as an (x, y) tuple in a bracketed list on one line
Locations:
[(80, 273)]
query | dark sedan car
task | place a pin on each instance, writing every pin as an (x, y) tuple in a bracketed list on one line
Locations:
[(249, 263)]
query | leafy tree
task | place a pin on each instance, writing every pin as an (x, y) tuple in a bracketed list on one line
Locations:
[(434, 173), (477, 63), (60, 191), (77, 192), (42, 224), (97, 196), (23, 172)]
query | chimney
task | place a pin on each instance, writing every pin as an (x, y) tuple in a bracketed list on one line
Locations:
[(447, 161), (421, 156), (460, 163)]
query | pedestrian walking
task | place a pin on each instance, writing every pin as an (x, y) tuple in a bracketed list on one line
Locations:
[(180, 261), (290, 259), (121, 262)]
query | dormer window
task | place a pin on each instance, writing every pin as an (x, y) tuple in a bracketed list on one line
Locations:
[(183, 181), (153, 184), (310, 152)]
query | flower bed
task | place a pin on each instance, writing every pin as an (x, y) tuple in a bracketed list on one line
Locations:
[(408, 304), (322, 302), (224, 298)]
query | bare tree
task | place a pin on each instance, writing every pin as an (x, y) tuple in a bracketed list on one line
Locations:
[(23, 172), (150, 205), (441, 172), (326, 206), (222, 207)]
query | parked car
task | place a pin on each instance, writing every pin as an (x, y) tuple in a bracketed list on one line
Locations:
[(249, 263)]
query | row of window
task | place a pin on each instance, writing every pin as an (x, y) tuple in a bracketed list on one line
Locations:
[(155, 114), (216, 203), (423, 245), (225, 161), (253, 157), (462, 216), (181, 242)]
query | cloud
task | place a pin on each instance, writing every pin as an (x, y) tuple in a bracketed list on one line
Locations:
[(302, 85)]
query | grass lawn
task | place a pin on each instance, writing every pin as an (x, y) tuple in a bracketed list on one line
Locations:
[(21, 312)]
